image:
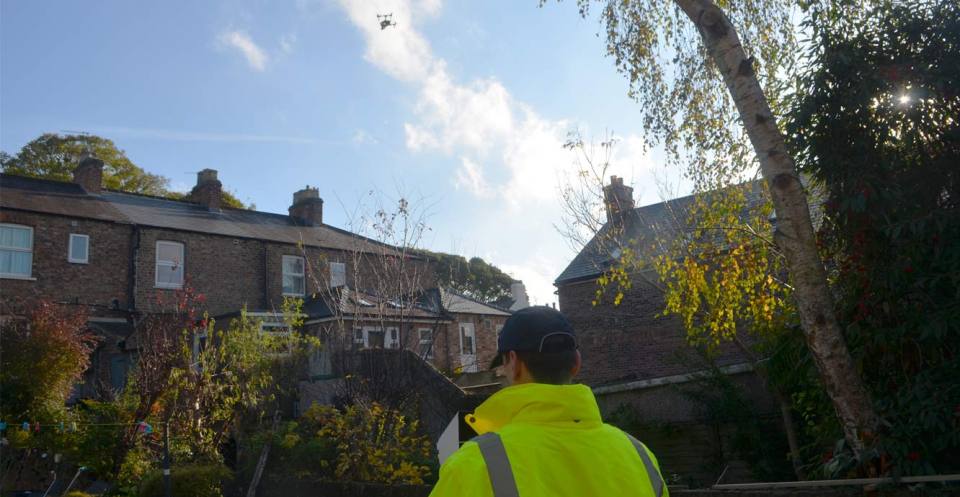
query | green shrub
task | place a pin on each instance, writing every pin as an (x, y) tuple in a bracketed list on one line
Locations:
[(188, 481), (77, 493)]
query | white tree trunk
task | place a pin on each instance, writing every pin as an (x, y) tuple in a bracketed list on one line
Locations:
[(794, 233)]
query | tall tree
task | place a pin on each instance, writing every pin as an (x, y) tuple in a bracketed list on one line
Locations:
[(475, 278), (54, 156), (675, 54), (874, 122)]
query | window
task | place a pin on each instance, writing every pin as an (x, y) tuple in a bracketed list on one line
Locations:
[(16, 251), (279, 330), (79, 251), (393, 339), (338, 274), (373, 337), (426, 342), (199, 346), (468, 345), (169, 265), (293, 275)]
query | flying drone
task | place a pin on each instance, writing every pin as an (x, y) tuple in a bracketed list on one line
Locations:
[(386, 21)]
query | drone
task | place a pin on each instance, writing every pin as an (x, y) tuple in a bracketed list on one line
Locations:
[(386, 21)]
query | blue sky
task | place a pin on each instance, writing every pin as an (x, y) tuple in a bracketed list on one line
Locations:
[(462, 104)]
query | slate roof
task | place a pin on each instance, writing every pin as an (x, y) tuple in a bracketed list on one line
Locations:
[(461, 304), (358, 304), (641, 226), (69, 199)]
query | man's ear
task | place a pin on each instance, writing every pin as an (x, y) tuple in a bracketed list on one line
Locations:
[(576, 366), (518, 366)]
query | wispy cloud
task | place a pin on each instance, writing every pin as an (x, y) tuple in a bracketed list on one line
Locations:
[(256, 57), (201, 136), (470, 177), (287, 41), (361, 137), (510, 155)]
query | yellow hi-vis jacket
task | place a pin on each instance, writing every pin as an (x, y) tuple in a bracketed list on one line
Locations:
[(540, 440)]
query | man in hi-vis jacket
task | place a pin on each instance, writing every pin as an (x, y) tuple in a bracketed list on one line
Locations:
[(542, 436)]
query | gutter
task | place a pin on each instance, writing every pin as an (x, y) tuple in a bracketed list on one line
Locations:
[(669, 380), (134, 259)]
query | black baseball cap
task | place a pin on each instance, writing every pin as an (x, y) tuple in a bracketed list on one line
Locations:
[(527, 330)]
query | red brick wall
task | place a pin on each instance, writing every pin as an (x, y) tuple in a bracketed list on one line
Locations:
[(96, 283), (629, 341), (230, 272), (227, 271), (485, 329)]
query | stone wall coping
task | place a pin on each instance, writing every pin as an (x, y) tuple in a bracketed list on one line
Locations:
[(669, 380)]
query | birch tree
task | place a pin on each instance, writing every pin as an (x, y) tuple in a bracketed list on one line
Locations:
[(675, 54)]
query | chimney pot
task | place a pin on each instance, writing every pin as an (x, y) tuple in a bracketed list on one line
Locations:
[(89, 174), (208, 191), (618, 199), (307, 208)]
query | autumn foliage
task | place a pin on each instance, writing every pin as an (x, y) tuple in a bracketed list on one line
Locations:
[(43, 356)]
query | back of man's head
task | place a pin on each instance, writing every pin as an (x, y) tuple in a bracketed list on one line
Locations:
[(555, 365), (543, 341)]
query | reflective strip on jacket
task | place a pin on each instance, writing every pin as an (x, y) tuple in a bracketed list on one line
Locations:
[(556, 445)]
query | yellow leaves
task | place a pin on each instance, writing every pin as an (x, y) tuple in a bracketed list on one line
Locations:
[(725, 279), (374, 444)]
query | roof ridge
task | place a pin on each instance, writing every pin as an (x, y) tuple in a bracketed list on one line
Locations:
[(461, 295)]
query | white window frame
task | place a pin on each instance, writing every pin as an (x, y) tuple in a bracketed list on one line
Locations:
[(391, 337), (338, 278), (70, 257), (366, 330), (18, 276), (157, 263), (200, 344), (463, 327), (423, 341), (303, 275), (359, 337)]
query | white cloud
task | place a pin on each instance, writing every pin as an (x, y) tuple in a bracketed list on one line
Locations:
[(470, 177), (256, 57), (510, 156), (399, 50), (428, 7), (287, 41)]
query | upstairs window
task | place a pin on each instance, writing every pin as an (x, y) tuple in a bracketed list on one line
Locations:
[(79, 249), (169, 265), (16, 251), (293, 276), (338, 274)]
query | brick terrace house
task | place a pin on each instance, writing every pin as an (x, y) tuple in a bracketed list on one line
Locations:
[(633, 358), (114, 252)]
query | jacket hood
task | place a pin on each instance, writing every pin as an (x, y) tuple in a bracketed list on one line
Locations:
[(537, 403)]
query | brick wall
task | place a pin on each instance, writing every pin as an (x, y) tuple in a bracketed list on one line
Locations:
[(228, 271), (97, 283), (629, 341), (485, 330)]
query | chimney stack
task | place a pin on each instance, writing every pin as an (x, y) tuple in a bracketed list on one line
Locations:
[(208, 190), (89, 174), (618, 198), (307, 208)]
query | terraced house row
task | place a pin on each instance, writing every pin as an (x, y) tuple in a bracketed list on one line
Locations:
[(119, 255)]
